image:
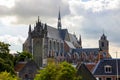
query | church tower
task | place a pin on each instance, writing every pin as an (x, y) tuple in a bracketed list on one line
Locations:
[(104, 46), (38, 43), (59, 25)]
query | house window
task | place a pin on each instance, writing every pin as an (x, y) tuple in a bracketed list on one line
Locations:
[(108, 78), (118, 79), (98, 78), (108, 69)]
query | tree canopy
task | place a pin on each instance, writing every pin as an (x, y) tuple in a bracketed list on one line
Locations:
[(7, 76), (62, 71), (22, 56), (6, 59)]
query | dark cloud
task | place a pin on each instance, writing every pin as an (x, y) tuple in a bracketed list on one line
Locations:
[(107, 21), (27, 10), (40, 7), (94, 22), (4, 11)]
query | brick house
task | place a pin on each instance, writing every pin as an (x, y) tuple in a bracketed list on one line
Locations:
[(26, 70)]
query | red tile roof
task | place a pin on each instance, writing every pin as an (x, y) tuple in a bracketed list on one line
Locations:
[(19, 66), (90, 66)]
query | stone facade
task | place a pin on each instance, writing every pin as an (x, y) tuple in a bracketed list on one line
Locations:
[(45, 42)]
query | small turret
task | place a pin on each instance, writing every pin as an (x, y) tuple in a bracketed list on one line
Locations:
[(29, 32), (80, 41), (45, 27)]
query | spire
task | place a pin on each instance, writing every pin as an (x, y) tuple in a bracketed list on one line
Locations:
[(59, 25), (38, 18), (59, 16), (103, 37), (80, 41)]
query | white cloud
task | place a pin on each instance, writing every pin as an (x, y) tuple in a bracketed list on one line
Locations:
[(7, 3), (15, 41), (95, 5), (85, 17)]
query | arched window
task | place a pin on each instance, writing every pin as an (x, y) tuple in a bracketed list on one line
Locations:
[(61, 46), (54, 46), (58, 46), (50, 45), (102, 44)]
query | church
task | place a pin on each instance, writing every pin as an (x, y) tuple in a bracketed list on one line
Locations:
[(45, 42)]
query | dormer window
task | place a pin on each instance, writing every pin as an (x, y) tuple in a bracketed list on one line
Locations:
[(108, 69)]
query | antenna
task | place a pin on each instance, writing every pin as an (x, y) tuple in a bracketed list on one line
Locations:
[(117, 66), (103, 31)]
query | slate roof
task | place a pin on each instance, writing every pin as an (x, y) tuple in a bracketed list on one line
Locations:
[(53, 33), (70, 44), (87, 50), (99, 69), (60, 34), (63, 33), (73, 38)]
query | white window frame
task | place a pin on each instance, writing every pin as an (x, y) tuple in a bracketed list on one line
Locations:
[(109, 70)]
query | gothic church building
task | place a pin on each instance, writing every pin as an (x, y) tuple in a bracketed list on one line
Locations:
[(45, 42)]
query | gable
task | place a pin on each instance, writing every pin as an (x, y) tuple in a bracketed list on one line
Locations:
[(84, 72)]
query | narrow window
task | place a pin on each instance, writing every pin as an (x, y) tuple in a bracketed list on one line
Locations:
[(103, 44)]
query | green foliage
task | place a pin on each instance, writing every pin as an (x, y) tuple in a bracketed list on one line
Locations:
[(48, 73), (22, 56), (66, 72), (7, 76), (4, 48), (62, 71), (6, 59)]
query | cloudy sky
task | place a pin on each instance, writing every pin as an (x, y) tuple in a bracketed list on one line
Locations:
[(90, 18)]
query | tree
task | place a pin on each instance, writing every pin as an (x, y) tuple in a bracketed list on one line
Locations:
[(7, 76), (62, 71), (48, 73), (4, 48), (66, 72), (6, 59), (22, 56)]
